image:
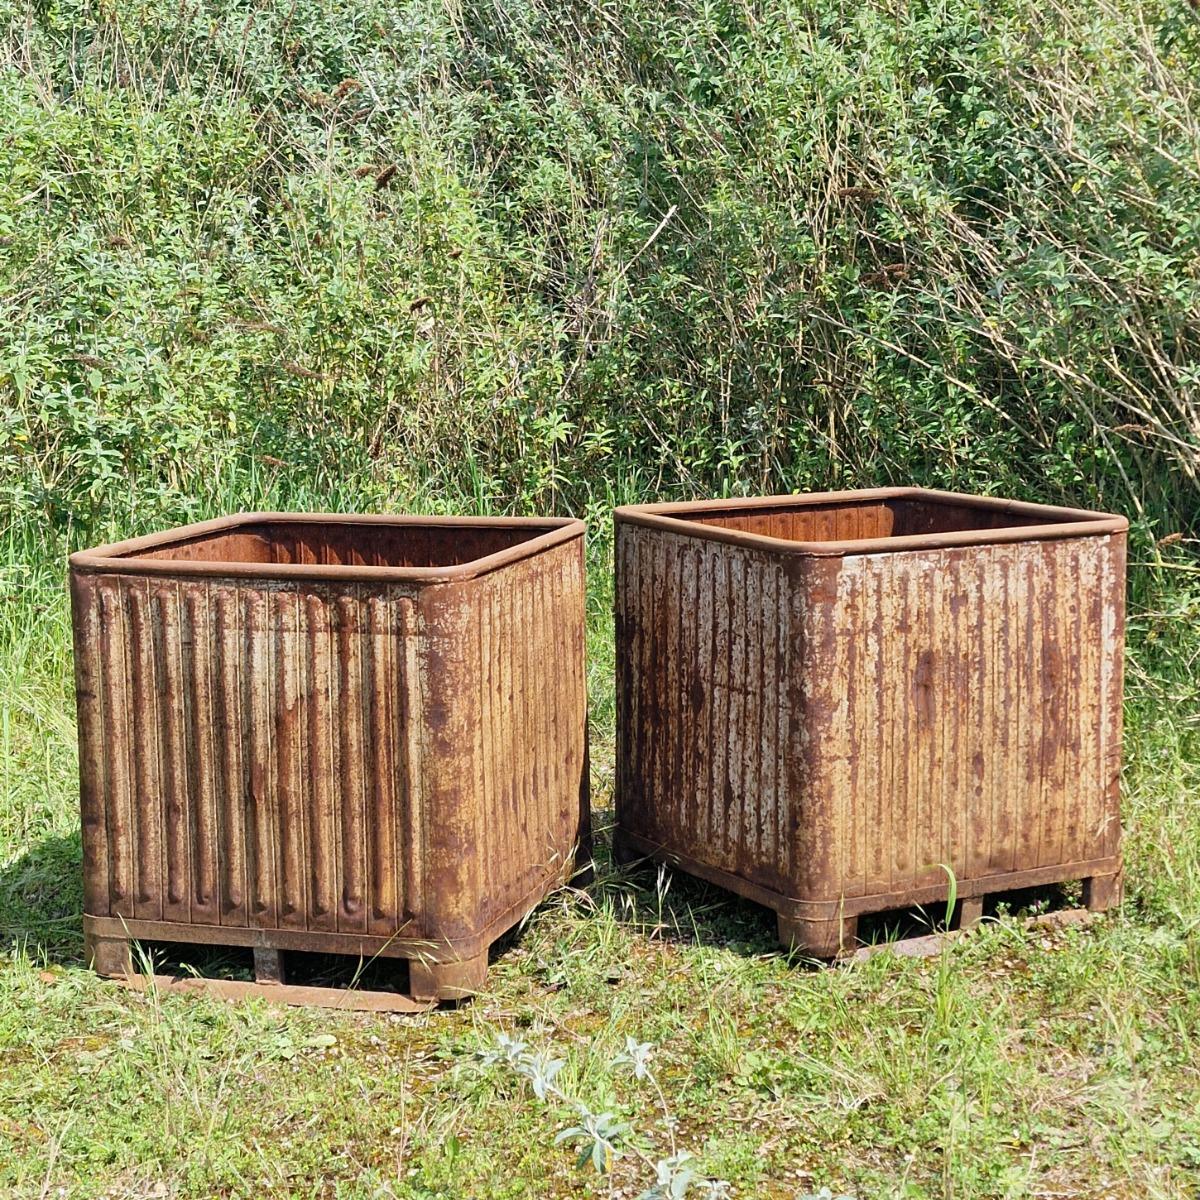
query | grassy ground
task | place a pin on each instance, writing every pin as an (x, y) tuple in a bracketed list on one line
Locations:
[(1020, 1063)]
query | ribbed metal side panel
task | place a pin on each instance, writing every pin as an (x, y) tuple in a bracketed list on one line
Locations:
[(526, 631), (704, 670), (829, 728), (247, 753), (961, 708)]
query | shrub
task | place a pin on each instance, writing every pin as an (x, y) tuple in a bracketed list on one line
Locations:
[(523, 256)]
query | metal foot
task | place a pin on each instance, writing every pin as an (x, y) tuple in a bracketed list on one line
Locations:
[(970, 911), (819, 939), (583, 876), (624, 854), (109, 955), (1102, 892), (268, 965), (447, 980)]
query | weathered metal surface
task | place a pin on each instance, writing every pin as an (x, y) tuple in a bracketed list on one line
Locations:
[(282, 732), (299, 995), (823, 699)]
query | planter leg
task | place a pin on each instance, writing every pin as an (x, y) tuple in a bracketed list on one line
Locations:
[(447, 980), (583, 868), (583, 876), (970, 911), (819, 939), (268, 965), (1103, 891), (112, 956)]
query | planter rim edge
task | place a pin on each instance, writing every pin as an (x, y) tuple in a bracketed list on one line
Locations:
[(122, 558), (672, 517)]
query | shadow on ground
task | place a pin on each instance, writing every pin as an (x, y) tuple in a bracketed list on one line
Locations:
[(668, 904), (41, 913), (41, 900), (41, 903)]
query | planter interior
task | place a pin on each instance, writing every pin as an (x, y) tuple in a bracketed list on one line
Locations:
[(346, 543), (877, 516)]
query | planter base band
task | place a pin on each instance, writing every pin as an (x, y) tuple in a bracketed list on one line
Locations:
[(438, 970), (825, 928), (347, 999)]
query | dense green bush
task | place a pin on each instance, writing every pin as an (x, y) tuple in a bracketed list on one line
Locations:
[(531, 255)]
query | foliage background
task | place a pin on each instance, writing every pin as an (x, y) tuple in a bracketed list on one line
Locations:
[(526, 254)]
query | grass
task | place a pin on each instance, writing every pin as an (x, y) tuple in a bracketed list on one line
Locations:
[(1021, 1063)]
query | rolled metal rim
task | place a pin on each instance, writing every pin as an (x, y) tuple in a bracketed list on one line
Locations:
[(124, 557), (678, 518)]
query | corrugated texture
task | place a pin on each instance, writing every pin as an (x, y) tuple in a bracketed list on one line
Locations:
[(526, 634), (960, 707), (705, 668), (828, 730), (233, 797), (331, 759)]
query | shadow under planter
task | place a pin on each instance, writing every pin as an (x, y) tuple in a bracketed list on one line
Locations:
[(336, 734), (828, 702)]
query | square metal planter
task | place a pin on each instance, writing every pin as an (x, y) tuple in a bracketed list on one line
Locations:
[(348, 734), (824, 699)]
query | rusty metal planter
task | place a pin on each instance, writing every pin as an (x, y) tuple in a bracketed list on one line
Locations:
[(823, 698), (347, 734)]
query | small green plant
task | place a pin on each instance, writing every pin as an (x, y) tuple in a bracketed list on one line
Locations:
[(601, 1137)]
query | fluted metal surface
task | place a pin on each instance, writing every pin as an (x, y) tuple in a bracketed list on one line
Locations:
[(705, 667), (369, 759), (233, 797), (962, 708), (841, 728), (526, 640)]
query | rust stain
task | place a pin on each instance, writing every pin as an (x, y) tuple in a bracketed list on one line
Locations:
[(821, 699), (290, 733)]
